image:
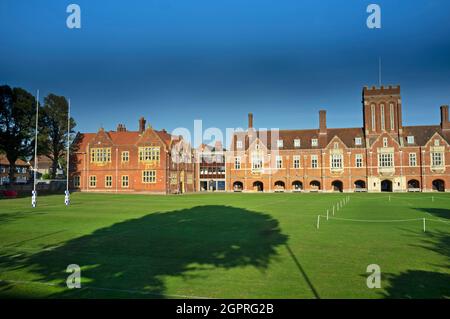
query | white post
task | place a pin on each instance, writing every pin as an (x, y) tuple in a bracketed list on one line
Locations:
[(318, 221), (327, 214), (67, 195), (333, 210), (424, 227), (33, 193)]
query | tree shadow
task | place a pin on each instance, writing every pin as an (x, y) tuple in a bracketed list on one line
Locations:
[(415, 284), (438, 212), (137, 255)]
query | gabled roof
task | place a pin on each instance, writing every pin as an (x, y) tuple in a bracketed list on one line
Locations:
[(121, 138), (422, 134), (4, 161), (347, 135)]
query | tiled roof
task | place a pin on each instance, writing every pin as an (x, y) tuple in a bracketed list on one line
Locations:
[(347, 135), (422, 134), (122, 138), (4, 161)]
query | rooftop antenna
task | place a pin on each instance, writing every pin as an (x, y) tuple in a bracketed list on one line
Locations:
[(379, 71)]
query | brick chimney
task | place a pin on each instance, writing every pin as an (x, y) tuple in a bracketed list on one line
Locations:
[(250, 120), (445, 124), (121, 128), (323, 122), (141, 125)]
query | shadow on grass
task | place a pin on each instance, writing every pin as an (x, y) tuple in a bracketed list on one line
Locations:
[(138, 255), (438, 212), (414, 284)]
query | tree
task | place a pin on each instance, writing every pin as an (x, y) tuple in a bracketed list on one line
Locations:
[(17, 125), (54, 129)]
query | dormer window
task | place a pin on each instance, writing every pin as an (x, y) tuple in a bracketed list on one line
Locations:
[(314, 142), (297, 142), (410, 139), (358, 141), (279, 143), (239, 144)]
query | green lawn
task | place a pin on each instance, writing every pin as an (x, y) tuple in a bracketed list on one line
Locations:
[(225, 246)]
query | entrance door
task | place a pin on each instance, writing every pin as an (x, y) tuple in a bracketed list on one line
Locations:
[(386, 186)]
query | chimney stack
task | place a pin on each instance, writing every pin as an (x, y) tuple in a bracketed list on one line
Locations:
[(323, 122), (445, 124), (250, 120), (121, 128), (141, 125)]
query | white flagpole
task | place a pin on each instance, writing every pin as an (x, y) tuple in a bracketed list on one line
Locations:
[(33, 193), (66, 198)]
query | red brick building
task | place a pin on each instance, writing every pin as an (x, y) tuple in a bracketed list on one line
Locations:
[(22, 171), (382, 155), (124, 161)]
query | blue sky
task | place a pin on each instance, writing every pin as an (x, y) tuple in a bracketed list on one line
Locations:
[(174, 61)]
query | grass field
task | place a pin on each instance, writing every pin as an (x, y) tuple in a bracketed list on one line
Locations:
[(225, 246)]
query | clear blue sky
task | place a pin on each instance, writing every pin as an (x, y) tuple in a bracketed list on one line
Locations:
[(174, 61)]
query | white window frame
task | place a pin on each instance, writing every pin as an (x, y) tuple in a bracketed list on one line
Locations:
[(437, 159), (239, 144), (125, 156), (125, 181), (314, 142), (410, 139), (358, 141), (297, 142), (296, 161), (257, 161), (359, 160), (92, 181), (385, 160), (279, 161), (237, 162), (279, 143), (412, 159), (108, 181), (336, 161), (149, 154), (149, 176), (314, 161), (385, 142), (382, 118)]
